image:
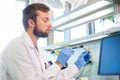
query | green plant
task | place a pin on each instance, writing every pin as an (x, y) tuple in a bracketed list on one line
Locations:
[(111, 17)]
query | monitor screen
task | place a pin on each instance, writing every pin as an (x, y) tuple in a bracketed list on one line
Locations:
[(109, 60)]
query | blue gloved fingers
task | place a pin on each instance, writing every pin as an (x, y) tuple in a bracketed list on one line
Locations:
[(80, 62), (83, 59), (62, 58), (64, 55), (87, 57), (67, 50), (85, 53)]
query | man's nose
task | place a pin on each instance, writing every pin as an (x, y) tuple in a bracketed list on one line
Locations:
[(49, 24)]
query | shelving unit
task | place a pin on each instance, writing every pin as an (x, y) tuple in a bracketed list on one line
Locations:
[(90, 12)]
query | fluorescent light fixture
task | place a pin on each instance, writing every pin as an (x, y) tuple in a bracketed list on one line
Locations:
[(86, 19), (82, 15)]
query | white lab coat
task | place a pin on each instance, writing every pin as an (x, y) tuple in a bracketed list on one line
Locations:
[(22, 61)]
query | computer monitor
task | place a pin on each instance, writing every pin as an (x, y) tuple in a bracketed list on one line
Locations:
[(109, 60)]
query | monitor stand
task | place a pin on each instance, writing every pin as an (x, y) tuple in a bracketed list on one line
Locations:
[(119, 77)]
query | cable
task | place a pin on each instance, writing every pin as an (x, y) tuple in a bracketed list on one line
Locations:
[(83, 71), (86, 49)]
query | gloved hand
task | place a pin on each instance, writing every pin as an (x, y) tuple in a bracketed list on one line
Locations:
[(64, 55), (83, 59)]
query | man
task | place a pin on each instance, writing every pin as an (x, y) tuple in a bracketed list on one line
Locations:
[(23, 60)]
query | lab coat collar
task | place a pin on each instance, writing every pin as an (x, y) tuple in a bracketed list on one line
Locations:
[(27, 39)]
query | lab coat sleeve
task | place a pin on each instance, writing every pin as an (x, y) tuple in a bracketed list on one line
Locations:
[(68, 73), (52, 72), (57, 74)]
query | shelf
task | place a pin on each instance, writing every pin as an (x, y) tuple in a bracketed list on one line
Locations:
[(84, 39), (84, 14)]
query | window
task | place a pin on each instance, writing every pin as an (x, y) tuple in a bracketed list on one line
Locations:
[(58, 37), (11, 20), (78, 32), (103, 25)]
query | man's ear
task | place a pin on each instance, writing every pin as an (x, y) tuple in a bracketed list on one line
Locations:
[(31, 23)]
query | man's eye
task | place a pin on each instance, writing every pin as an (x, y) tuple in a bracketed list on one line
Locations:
[(45, 20)]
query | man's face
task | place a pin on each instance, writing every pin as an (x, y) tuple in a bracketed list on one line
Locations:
[(42, 25)]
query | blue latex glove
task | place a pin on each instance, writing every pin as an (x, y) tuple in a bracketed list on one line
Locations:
[(83, 59), (64, 55)]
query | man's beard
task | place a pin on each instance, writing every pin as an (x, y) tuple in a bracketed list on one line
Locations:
[(38, 33)]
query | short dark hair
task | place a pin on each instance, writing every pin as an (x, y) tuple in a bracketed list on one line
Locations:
[(30, 12)]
